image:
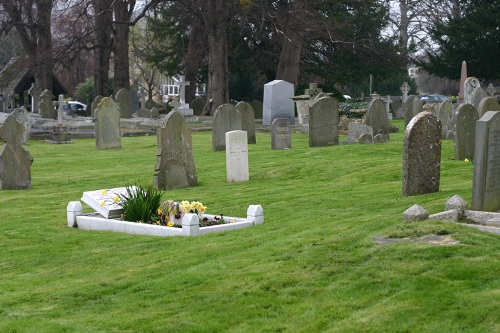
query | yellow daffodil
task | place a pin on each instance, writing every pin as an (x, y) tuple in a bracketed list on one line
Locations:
[(104, 192), (159, 211), (116, 198), (170, 224), (466, 160), (186, 206), (101, 203)]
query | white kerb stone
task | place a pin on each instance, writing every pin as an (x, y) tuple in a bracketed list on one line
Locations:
[(255, 213), (74, 209)]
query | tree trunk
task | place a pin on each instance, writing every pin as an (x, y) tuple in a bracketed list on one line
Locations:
[(121, 43), (403, 30), (288, 66), (102, 47), (193, 58), (43, 63)]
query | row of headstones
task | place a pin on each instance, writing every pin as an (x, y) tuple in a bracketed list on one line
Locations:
[(422, 155), (125, 100)]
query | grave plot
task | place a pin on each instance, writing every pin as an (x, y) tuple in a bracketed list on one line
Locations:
[(108, 212)]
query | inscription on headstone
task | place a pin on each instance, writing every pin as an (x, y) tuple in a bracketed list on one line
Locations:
[(237, 156), (226, 119), (324, 123), (281, 137)]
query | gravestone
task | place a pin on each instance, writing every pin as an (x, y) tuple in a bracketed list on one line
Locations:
[(357, 130), (366, 138), (142, 97), (33, 92), (22, 117), (473, 93), (486, 181), (197, 106), (422, 155), (124, 100), (376, 118), (184, 107), (107, 125), (258, 108), (445, 113), (247, 120), (175, 166), (94, 105), (418, 106), (15, 162), (464, 127), (150, 104), (479, 95), (281, 134), (408, 110), (278, 102), (463, 77), (405, 89), (388, 102), (226, 119), (490, 90), (59, 133), (46, 107), (144, 113), (487, 104), (174, 103), (155, 113), (397, 109), (304, 102), (324, 123), (237, 156)]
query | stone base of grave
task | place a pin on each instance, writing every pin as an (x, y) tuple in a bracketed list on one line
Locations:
[(59, 136)]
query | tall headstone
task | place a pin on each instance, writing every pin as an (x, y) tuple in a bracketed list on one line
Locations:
[(278, 102), (184, 107), (408, 110), (405, 89), (324, 122), (418, 106), (107, 125), (281, 134), (124, 100), (94, 105), (15, 162), (237, 156), (473, 93), (46, 107), (388, 102), (247, 120), (463, 77), (397, 109), (422, 155), (464, 127), (26, 121), (376, 118), (226, 119), (197, 106), (59, 134), (175, 166), (487, 104), (445, 113), (486, 181), (33, 92)]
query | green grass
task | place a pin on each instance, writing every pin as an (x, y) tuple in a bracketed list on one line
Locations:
[(311, 267)]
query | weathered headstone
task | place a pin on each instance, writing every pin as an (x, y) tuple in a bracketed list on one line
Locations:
[(15, 162), (226, 119), (237, 156), (46, 107), (487, 104), (304, 102), (142, 97), (490, 90), (471, 85), (258, 108), (281, 134), (422, 155), (405, 89), (445, 113), (464, 127), (418, 106), (124, 100), (376, 118), (247, 120), (397, 109), (197, 106), (408, 109), (33, 92), (366, 138), (155, 113), (278, 102), (94, 105), (357, 130), (479, 95), (22, 117), (107, 125), (388, 102), (486, 182), (150, 104), (324, 123), (144, 113), (175, 166)]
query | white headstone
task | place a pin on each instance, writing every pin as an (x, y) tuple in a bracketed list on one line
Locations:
[(405, 88), (278, 102), (237, 156)]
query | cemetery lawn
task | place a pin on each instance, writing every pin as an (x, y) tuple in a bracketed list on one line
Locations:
[(313, 266)]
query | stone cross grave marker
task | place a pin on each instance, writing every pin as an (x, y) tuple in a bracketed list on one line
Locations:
[(175, 104), (237, 156), (388, 102), (247, 120), (281, 134), (107, 125), (405, 88), (486, 181), (184, 107), (33, 92), (175, 166), (464, 127), (324, 123), (278, 102), (376, 117), (422, 155), (445, 113), (15, 161), (487, 104), (142, 97), (124, 100), (226, 118)]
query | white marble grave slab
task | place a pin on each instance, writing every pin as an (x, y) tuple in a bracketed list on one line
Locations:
[(105, 201)]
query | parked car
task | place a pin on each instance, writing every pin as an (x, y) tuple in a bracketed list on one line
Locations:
[(434, 98), (74, 108)]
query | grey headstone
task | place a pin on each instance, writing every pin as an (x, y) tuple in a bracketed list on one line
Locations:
[(21, 115), (46, 106), (422, 155), (15, 162), (150, 104), (356, 130), (397, 109), (464, 127), (144, 113), (376, 118), (479, 95), (226, 118), (366, 139), (278, 102), (258, 108), (124, 100), (456, 202), (381, 138), (324, 123), (94, 105), (487, 104), (408, 109), (155, 113), (107, 125), (281, 134), (197, 106), (247, 120), (486, 182), (175, 166), (445, 113), (418, 106), (415, 213), (473, 93)]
